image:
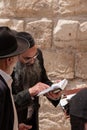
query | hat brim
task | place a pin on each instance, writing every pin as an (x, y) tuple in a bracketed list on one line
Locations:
[(23, 45)]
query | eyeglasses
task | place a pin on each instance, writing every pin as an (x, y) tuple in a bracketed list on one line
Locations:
[(29, 59)]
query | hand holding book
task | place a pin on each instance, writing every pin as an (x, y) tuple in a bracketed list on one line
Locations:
[(55, 87)]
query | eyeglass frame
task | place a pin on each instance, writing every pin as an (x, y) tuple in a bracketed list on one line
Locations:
[(28, 59)]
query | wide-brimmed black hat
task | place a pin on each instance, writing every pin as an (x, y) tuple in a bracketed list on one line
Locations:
[(11, 45)]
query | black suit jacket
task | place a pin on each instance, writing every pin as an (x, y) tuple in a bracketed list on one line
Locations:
[(23, 99), (78, 104), (6, 107)]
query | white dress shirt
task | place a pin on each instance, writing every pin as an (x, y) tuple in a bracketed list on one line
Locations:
[(8, 80)]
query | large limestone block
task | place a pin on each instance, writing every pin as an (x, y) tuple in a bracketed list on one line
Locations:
[(7, 8), (82, 37), (65, 33), (18, 25), (5, 22), (13, 24), (41, 30), (82, 45), (72, 7), (25, 8), (66, 30), (82, 31), (33, 8), (59, 64), (81, 65)]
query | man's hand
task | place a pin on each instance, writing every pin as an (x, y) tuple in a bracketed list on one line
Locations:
[(23, 126), (54, 96), (38, 88)]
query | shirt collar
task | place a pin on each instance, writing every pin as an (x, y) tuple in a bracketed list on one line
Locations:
[(6, 77)]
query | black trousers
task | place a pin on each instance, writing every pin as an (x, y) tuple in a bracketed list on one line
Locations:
[(77, 123)]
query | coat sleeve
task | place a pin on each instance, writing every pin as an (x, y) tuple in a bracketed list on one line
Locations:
[(44, 77), (22, 99), (1, 108), (2, 104)]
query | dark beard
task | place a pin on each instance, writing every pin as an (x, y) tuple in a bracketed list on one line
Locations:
[(30, 74)]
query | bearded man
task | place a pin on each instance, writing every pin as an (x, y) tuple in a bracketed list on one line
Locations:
[(29, 71)]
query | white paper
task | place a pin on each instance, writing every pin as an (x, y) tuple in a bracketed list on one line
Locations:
[(64, 101), (60, 85)]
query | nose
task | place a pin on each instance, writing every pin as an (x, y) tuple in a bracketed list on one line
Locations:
[(32, 61)]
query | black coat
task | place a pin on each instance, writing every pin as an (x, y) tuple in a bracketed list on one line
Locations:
[(23, 99), (78, 104), (6, 107)]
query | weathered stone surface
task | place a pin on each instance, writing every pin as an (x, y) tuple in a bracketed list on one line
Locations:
[(82, 37), (82, 45), (55, 7), (82, 31), (42, 32), (52, 118), (18, 25), (40, 8), (13, 24), (33, 8), (71, 7), (59, 64), (66, 30), (66, 44), (26, 8), (7, 8), (81, 65), (5, 22)]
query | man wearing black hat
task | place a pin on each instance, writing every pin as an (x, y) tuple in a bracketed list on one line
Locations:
[(10, 47), (29, 71)]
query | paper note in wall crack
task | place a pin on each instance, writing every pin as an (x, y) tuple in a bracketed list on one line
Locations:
[(54, 87)]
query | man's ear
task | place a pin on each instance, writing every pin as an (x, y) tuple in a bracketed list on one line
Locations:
[(9, 60)]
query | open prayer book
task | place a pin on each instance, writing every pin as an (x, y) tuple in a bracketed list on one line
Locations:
[(56, 87)]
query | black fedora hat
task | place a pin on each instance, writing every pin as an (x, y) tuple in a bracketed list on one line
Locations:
[(11, 45)]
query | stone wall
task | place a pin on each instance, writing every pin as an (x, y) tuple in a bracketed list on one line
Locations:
[(60, 30)]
